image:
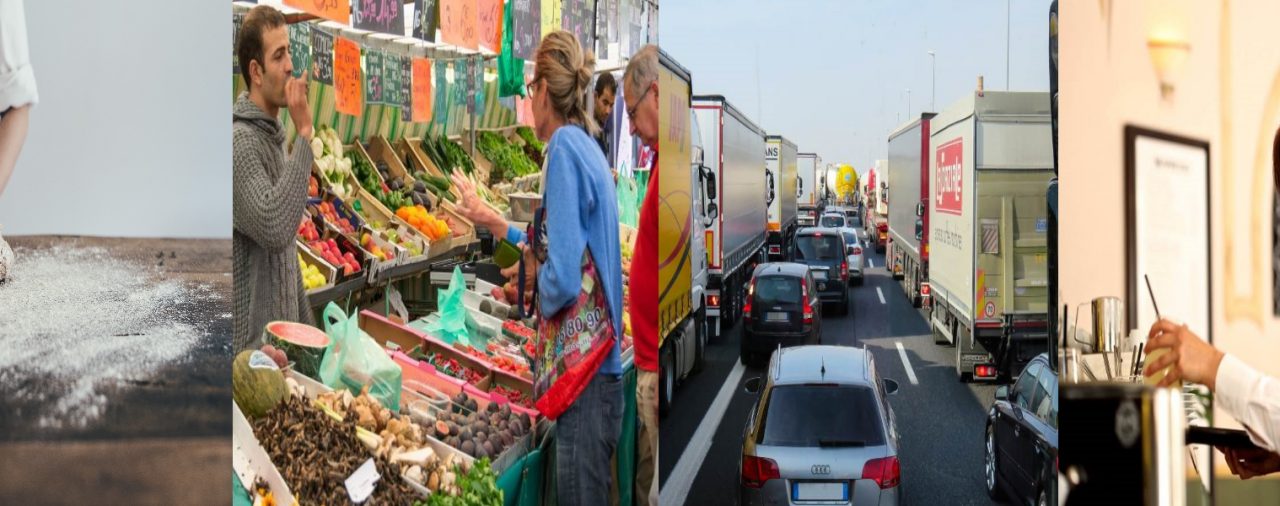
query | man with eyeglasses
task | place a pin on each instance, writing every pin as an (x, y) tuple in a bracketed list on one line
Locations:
[(640, 96)]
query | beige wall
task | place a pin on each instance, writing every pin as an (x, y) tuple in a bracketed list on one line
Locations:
[(1107, 81)]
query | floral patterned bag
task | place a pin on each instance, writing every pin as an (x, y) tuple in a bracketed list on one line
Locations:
[(572, 343)]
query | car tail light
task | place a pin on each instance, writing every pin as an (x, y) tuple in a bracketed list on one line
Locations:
[(924, 289), (774, 249), (884, 471), (857, 250), (757, 470), (808, 307), (713, 300), (984, 371), (844, 269), (746, 305)]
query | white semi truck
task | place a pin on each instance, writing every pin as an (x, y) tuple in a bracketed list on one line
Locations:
[(734, 208), (780, 179), (808, 193), (907, 254)]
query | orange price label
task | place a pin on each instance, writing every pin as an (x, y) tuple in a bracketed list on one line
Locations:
[(347, 82), (458, 23), (335, 10), (421, 90), (491, 24)]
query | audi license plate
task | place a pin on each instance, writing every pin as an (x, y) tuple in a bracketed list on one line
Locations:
[(776, 317), (820, 491), (819, 274)]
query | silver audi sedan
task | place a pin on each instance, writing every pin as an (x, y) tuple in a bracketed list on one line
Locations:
[(821, 431)]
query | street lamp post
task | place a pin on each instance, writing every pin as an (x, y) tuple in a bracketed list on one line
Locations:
[(908, 103), (933, 82)]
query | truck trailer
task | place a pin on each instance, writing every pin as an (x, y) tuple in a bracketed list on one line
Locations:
[(734, 210), (682, 258), (907, 253), (808, 192), (991, 159), (780, 178)]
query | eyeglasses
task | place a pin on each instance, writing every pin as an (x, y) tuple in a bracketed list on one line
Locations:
[(631, 111), (531, 84)]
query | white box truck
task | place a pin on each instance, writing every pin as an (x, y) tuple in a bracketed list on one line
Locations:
[(734, 207), (907, 253), (780, 179), (991, 159), (807, 191)]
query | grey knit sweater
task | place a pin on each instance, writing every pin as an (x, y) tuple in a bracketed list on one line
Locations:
[(269, 195)]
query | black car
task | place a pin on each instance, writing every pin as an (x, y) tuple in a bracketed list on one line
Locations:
[(781, 307), (1022, 436), (823, 250)]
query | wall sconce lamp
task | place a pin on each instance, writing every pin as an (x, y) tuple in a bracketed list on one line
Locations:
[(1167, 55)]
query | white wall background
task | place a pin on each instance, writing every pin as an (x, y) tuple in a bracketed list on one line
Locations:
[(1223, 97), (132, 135)]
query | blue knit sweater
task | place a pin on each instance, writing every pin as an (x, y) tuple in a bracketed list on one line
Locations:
[(581, 212)]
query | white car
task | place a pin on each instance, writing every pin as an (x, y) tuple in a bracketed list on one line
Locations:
[(853, 251)]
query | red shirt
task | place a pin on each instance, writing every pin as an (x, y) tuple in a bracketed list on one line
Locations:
[(644, 278)]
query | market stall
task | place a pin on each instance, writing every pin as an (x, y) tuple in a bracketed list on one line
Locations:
[(416, 385)]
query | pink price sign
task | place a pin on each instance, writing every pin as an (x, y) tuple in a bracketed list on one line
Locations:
[(949, 176)]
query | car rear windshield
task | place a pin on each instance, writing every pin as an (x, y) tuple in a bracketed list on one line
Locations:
[(832, 221), (814, 247), (855, 221), (850, 238), (822, 415), (777, 290)]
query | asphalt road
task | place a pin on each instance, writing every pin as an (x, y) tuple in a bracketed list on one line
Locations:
[(940, 420)]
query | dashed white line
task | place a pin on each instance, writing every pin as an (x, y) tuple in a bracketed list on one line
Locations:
[(871, 262), (906, 364), (676, 489), (880, 294)]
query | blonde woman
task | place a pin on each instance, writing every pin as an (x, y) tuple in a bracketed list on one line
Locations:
[(581, 216)]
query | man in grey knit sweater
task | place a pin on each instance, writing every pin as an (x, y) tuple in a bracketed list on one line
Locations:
[(270, 189)]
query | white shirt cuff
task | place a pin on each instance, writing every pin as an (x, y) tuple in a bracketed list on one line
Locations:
[(1235, 388), (18, 88)]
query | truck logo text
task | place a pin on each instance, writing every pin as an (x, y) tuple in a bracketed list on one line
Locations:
[(949, 176), (771, 153)]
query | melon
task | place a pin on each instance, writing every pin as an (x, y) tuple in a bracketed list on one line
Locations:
[(302, 343), (256, 384)]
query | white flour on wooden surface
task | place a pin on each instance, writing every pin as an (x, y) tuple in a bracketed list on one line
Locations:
[(86, 320)]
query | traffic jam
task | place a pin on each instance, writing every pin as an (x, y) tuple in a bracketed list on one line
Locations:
[(856, 337)]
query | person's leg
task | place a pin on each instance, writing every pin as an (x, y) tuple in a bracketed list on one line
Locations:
[(13, 133), (586, 436), (647, 440)]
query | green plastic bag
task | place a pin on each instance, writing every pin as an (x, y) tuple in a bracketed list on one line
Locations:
[(355, 360), (510, 68), (628, 204), (452, 325)]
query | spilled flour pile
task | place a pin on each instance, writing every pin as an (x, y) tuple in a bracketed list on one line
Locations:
[(75, 320)]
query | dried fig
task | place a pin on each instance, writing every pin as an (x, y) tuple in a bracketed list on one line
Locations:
[(468, 447)]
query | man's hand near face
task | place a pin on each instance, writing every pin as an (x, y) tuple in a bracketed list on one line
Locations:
[(295, 91)]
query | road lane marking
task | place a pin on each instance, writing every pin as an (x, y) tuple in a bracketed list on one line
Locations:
[(880, 294), (872, 262), (676, 489), (906, 364)]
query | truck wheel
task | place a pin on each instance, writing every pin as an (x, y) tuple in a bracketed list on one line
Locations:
[(666, 381)]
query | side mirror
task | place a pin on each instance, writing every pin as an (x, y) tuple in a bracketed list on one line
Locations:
[(920, 209), (709, 176), (890, 386), (848, 251), (752, 386), (1002, 393)]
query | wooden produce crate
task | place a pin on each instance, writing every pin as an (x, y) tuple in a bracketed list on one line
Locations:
[(406, 338), (329, 272), (380, 150)]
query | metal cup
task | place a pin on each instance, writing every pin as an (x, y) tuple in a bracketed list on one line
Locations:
[(1069, 364), (1108, 324)]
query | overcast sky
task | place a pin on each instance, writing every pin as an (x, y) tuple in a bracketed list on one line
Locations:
[(832, 75)]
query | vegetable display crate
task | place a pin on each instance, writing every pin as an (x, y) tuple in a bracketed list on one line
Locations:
[(382, 151), (491, 172), (309, 258), (410, 150), (375, 212), (340, 291), (404, 338)]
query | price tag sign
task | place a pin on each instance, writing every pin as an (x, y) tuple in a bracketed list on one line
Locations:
[(334, 10), (490, 24), (458, 23), (526, 26), (406, 88), (578, 18), (321, 57), (373, 87), (392, 75), (550, 17), (442, 95), (360, 484), (421, 90), (385, 16), (426, 19), (346, 76), (300, 47)]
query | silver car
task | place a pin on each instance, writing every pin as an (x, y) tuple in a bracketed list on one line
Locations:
[(853, 254), (821, 431)]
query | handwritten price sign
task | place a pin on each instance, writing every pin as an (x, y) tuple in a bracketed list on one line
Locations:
[(373, 87), (426, 19), (550, 17), (526, 21), (406, 88), (392, 75), (335, 10), (386, 16), (321, 56), (458, 22), (346, 76), (421, 90), (490, 24)]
